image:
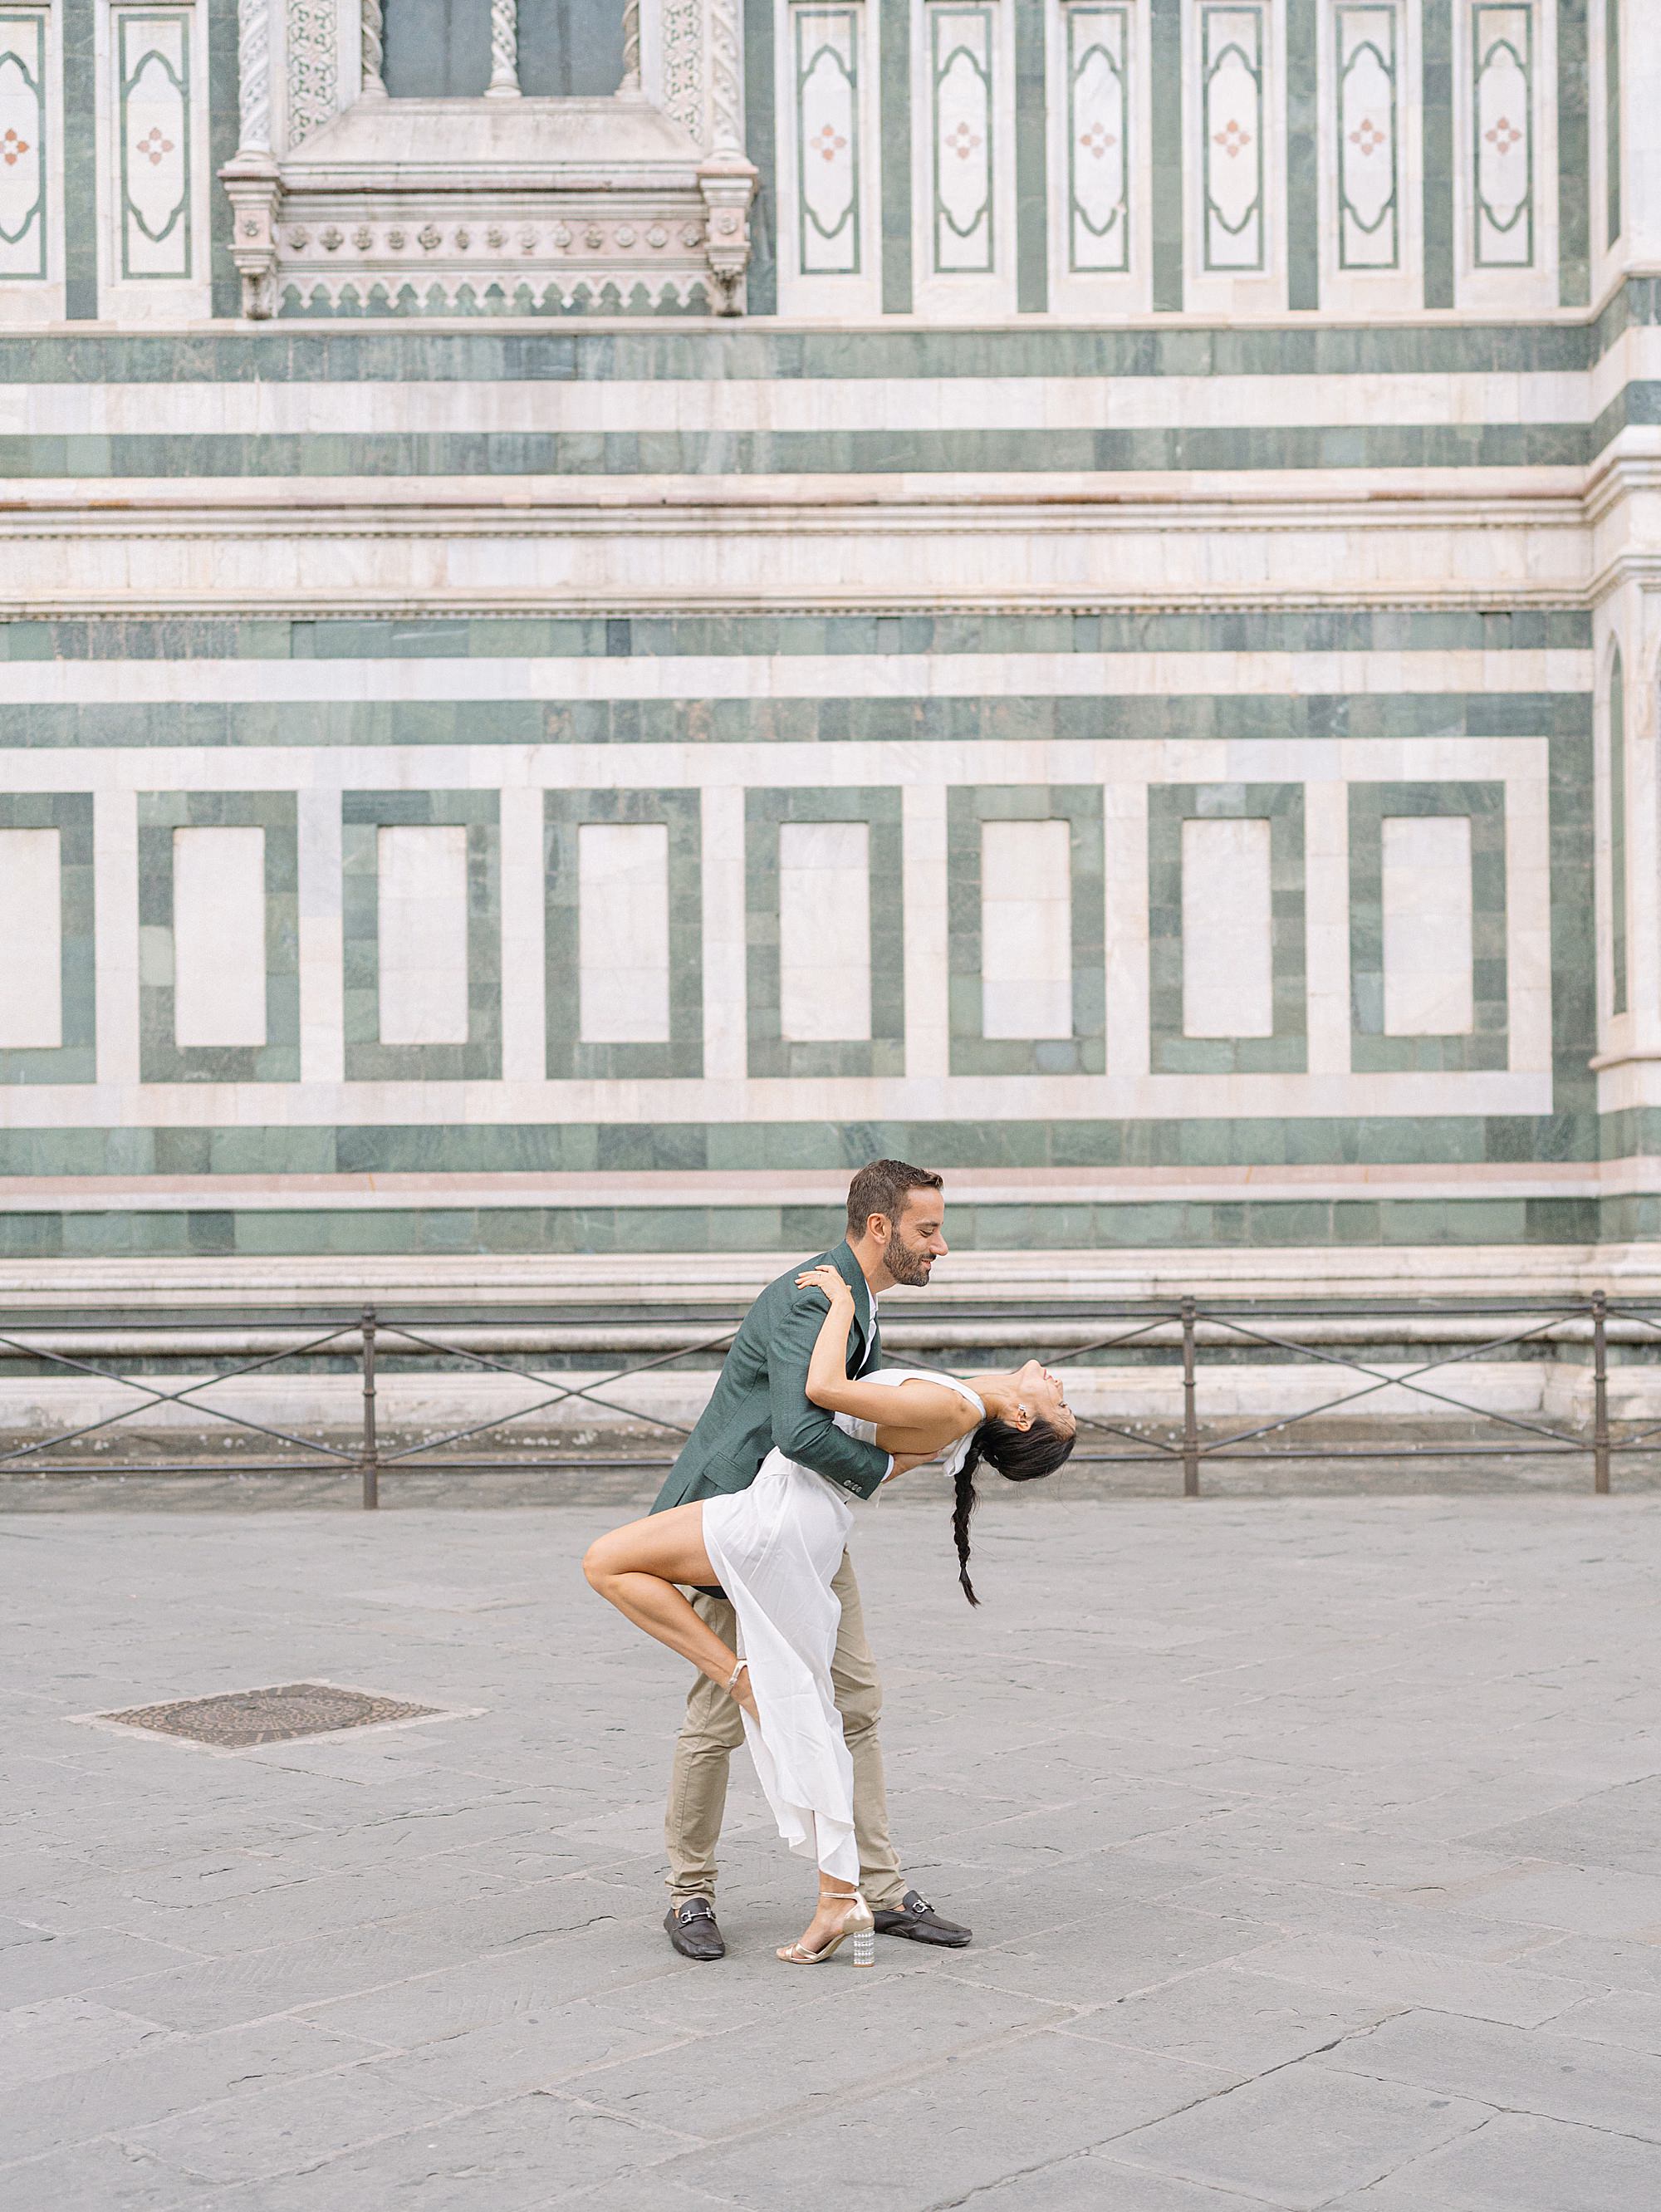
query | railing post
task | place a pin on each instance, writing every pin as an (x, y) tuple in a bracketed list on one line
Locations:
[(1190, 1413), (1600, 1396), (371, 1450)]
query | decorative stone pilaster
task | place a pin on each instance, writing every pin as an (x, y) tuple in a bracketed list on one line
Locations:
[(504, 51), (727, 181), (250, 178), (726, 78)]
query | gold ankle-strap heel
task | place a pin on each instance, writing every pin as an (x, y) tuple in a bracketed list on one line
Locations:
[(858, 1929)]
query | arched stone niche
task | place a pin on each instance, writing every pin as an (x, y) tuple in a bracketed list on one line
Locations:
[(348, 201)]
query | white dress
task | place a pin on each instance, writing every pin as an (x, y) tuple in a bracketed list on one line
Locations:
[(775, 1548)]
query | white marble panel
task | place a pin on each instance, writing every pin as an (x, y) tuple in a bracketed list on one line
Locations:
[(623, 933), (824, 931), (31, 930), (1228, 930), (1427, 948), (423, 872), (219, 936), (1025, 929)]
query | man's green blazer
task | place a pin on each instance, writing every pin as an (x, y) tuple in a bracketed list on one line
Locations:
[(761, 1396)]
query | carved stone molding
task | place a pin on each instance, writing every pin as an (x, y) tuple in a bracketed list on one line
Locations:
[(589, 254)]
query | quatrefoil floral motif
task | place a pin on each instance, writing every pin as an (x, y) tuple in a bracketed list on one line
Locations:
[(961, 141), (1367, 136), (1096, 142), (1233, 137), (827, 142), (1504, 135), (153, 146), (10, 147)]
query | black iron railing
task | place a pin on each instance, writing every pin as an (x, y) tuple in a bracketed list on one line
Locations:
[(1184, 1331)]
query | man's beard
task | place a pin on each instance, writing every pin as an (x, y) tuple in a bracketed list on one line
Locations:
[(905, 1265)]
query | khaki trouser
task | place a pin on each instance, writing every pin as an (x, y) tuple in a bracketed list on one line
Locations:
[(714, 1728)]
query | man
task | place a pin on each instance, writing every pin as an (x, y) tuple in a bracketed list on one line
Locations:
[(896, 1220)]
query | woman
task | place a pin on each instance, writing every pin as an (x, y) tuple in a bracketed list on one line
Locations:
[(774, 1548)]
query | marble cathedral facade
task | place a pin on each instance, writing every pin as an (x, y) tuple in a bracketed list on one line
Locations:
[(602, 618)]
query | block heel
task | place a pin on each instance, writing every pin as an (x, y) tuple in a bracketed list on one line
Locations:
[(859, 1928)]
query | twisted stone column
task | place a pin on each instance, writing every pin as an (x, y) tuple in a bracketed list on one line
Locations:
[(630, 87), (374, 84), (253, 46), (504, 51)]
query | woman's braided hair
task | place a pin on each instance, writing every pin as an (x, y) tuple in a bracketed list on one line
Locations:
[(1020, 1455)]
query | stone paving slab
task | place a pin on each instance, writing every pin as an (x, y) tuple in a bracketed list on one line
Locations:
[(1309, 1844)]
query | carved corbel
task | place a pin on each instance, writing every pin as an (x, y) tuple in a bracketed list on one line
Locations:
[(253, 187), (727, 181)]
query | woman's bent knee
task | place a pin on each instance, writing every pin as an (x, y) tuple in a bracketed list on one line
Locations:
[(600, 1563)]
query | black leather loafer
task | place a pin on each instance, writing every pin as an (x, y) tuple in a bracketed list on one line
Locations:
[(693, 1932), (918, 1920)]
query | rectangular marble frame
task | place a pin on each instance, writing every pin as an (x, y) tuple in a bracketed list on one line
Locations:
[(564, 813), (161, 1058), (967, 806), (363, 814), (74, 1060), (883, 1052), (1488, 1045), (1286, 1051)]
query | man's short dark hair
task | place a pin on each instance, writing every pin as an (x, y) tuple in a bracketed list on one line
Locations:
[(882, 1186)]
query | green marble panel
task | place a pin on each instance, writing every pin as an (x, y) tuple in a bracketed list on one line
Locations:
[(1031, 160), (74, 1059), (1169, 168), (903, 721), (363, 814), (1287, 1048), (1617, 772), (587, 1147), (1436, 139), (761, 145), (161, 1058), (568, 1053), (1487, 1044), (1174, 1224), (895, 72), (1574, 156), (1303, 199), (274, 353), (1248, 629), (771, 1053), (1612, 134), (1223, 449), (969, 806)]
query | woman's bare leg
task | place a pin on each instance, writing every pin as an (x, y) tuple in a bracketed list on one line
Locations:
[(833, 1899), (637, 1567)]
